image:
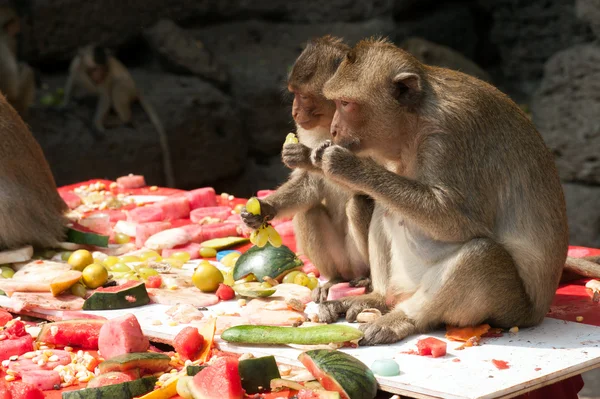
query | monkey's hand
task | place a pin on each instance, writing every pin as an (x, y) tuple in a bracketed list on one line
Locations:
[(389, 328), (296, 156), (329, 311), (335, 160), (267, 213)]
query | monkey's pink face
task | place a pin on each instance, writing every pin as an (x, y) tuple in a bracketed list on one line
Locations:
[(346, 124), (310, 111)]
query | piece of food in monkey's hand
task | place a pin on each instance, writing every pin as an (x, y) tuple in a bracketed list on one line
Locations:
[(291, 139)]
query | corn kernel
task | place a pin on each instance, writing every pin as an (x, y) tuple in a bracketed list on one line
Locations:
[(68, 349), (29, 355), (172, 323), (514, 330), (48, 353), (153, 188), (53, 358), (156, 322), (579, 319), (113, 185), (13, 358), (9, 377)]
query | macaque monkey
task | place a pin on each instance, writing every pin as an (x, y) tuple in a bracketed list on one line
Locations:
[(443, 56), (31, 211), (324, 212), (102, 74), (469, 224), (17, 79)]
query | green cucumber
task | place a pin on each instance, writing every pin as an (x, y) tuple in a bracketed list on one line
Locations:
[(316, 335), (257, 373), (266, 261), (253, 290), (223, 243), (86, 238), (125, 390), (124, 296), (193, 370), (146, 361)]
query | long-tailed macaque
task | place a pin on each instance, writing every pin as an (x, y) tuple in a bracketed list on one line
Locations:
[(31, 211), (469, 224), (17, 79), (325, 213), (102, 74)]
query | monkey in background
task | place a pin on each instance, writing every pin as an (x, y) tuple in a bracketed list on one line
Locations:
[(17, 79), (443, 56), (31, 210), (325, 213), (469, 224), (95, 69)]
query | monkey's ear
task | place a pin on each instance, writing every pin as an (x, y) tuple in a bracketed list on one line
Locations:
[(407, 88)]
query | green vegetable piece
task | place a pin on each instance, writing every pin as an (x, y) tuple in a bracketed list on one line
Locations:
[(266, 261), (256, 374), (316, 335), (86, 238), (125, 390), (193, 370)]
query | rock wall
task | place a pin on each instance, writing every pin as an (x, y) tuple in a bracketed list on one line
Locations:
[(215, 71)]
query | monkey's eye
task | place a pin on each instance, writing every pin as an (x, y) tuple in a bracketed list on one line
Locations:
[(344, 103)]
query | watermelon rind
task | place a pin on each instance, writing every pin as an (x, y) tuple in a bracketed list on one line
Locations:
[(348, 375), (65, 328), (86, 238), (256, 374), (266, 261), (130, 297), (125, 390), (148, 361)]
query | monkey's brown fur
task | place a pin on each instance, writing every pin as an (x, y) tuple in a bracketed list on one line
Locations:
[(102, 74), (31, 211), (469, 223), (17, 80), (325, 212)]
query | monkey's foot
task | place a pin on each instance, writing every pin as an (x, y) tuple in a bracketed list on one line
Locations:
[(329, 311), (361, 282), (388, 329), (296, 156)]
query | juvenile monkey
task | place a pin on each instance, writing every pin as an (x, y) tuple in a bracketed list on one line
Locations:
[(31, 211), (469, 224), (17, 80), (325, 213), (443, 56), (102, 74)]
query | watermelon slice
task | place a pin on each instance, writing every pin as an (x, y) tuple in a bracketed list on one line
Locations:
[(188, 343), (24, 365), (122, 335), (218, 212), (5, 317), (201, 197), (195, 231), (44, 380), (113, 377), (219, 381), (176, 207), (145, 214), (131, 181), (22, 390), (219, 230), (81, 333), (180, 222), (143, 231), (16, 346), (192, 249), (431, 346), (71, 199)]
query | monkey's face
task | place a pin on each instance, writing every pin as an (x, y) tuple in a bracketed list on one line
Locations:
[(311, 111)]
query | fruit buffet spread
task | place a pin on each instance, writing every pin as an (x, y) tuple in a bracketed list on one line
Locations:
[(130, 245)]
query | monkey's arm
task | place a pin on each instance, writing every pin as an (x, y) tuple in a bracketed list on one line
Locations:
[(101, 109), (434, 208)]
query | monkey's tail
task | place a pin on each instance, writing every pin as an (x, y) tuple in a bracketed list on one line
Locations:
[(588, 266), (164, 141)]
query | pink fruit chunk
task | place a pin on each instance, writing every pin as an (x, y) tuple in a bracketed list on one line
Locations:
[(145, 214), (201, 197), (143, 231), (195, 232), (131, 181), (44, 380), (15, 346), (122, 335), (176, 207), (192, 249), (24, 365), (343, 290), (285, 228), (218, 212), (219, 381), (219, 230), (71, 199)]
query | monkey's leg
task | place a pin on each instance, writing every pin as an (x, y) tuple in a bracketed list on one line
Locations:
[(26, 89), (359, 211), (324, 246), (330, 311), (101, 110), (121, 98)]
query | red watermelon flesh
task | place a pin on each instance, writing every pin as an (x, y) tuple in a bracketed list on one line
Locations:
[(431, 346), (201, 197), (42, 379), (5, 317), (188, 343), (23, 365), (71, 199), (343, 290), (192, 249), (285, 228), (145, 214), (114, 215), (175, 207), (143, 231), (80, 333), (120, 287), (4, 392), (122, 335), (219, 381), (131, 181), (16, 346), (218, 212), (219, 230), (195, 231), (114, 377), (180, 222), (263, 193), (22, 390)]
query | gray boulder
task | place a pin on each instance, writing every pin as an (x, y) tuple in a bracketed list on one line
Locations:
[(589, 11), (584, 214), (204, 132), (565, 109)]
